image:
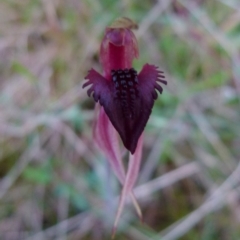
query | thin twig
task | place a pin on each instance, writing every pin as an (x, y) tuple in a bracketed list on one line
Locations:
[(166, 180), (83, 222), (216, 201), (34, 151), (211, 136)]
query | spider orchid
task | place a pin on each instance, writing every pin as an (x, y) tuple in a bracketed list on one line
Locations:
[(126, 100)]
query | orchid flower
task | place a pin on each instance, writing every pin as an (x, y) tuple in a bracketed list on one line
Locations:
[(126, 100)]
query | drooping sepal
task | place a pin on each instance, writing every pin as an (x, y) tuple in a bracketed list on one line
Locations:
[(131, 177), (107, 140)]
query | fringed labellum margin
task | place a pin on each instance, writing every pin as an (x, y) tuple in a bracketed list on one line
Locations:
[(127, 99)]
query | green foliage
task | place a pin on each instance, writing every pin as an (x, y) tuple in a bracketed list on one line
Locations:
[(23, 71), (38, 175)]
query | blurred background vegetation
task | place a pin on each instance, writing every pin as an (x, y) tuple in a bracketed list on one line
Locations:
[(55, 184)]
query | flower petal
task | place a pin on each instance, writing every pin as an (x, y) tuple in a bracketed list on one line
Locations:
[(106, 137), (102, 88)]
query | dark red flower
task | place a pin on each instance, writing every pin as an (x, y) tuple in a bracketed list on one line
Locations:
[(126, 100), (126, 96)]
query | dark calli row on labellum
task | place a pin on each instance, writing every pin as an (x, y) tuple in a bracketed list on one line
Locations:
[(125, 100)]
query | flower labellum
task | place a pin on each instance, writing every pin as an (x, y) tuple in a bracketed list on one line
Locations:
[(126, 99)]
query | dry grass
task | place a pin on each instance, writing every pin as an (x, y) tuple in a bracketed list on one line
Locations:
[(54, 184)]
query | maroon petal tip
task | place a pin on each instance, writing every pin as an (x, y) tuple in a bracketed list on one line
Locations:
[(99, 86)]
